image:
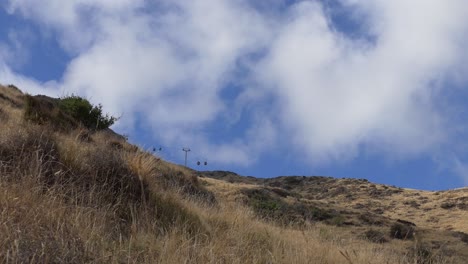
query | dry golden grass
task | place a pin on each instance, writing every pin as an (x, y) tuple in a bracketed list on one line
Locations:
[(424, 208), (12, 96), (74, 197)]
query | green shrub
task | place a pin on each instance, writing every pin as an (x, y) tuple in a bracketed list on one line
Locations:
[(264, 204), (267, 205), (84, 112)]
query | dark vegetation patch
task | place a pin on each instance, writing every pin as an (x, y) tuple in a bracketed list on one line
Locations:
[(282, 192), (423, 199), (264, 203), (448, 205), (374, 192), (291, 182), (402, 231), (463, 236), (460, 203), (371, 219), (338, 191), (379, 211), (229, 176), (375, 236), (405, 222), (268, 205), (359, 206)]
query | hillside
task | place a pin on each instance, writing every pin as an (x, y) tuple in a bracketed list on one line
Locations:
[(441, 210), (72, 192), (438, 219)]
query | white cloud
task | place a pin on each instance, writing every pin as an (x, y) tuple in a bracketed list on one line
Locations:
[(461, 169), (15, 50), (328, 93), (340, 94), (7, 76), (450, 162)]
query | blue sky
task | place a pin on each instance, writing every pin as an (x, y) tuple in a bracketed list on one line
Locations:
[(371, 89)]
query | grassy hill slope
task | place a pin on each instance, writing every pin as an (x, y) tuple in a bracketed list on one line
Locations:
[(71, 194)]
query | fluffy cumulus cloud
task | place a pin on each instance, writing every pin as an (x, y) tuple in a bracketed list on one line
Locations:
[(291, 68), (339, 93)]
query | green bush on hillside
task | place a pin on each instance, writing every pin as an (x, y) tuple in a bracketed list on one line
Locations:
[(83, 111)]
